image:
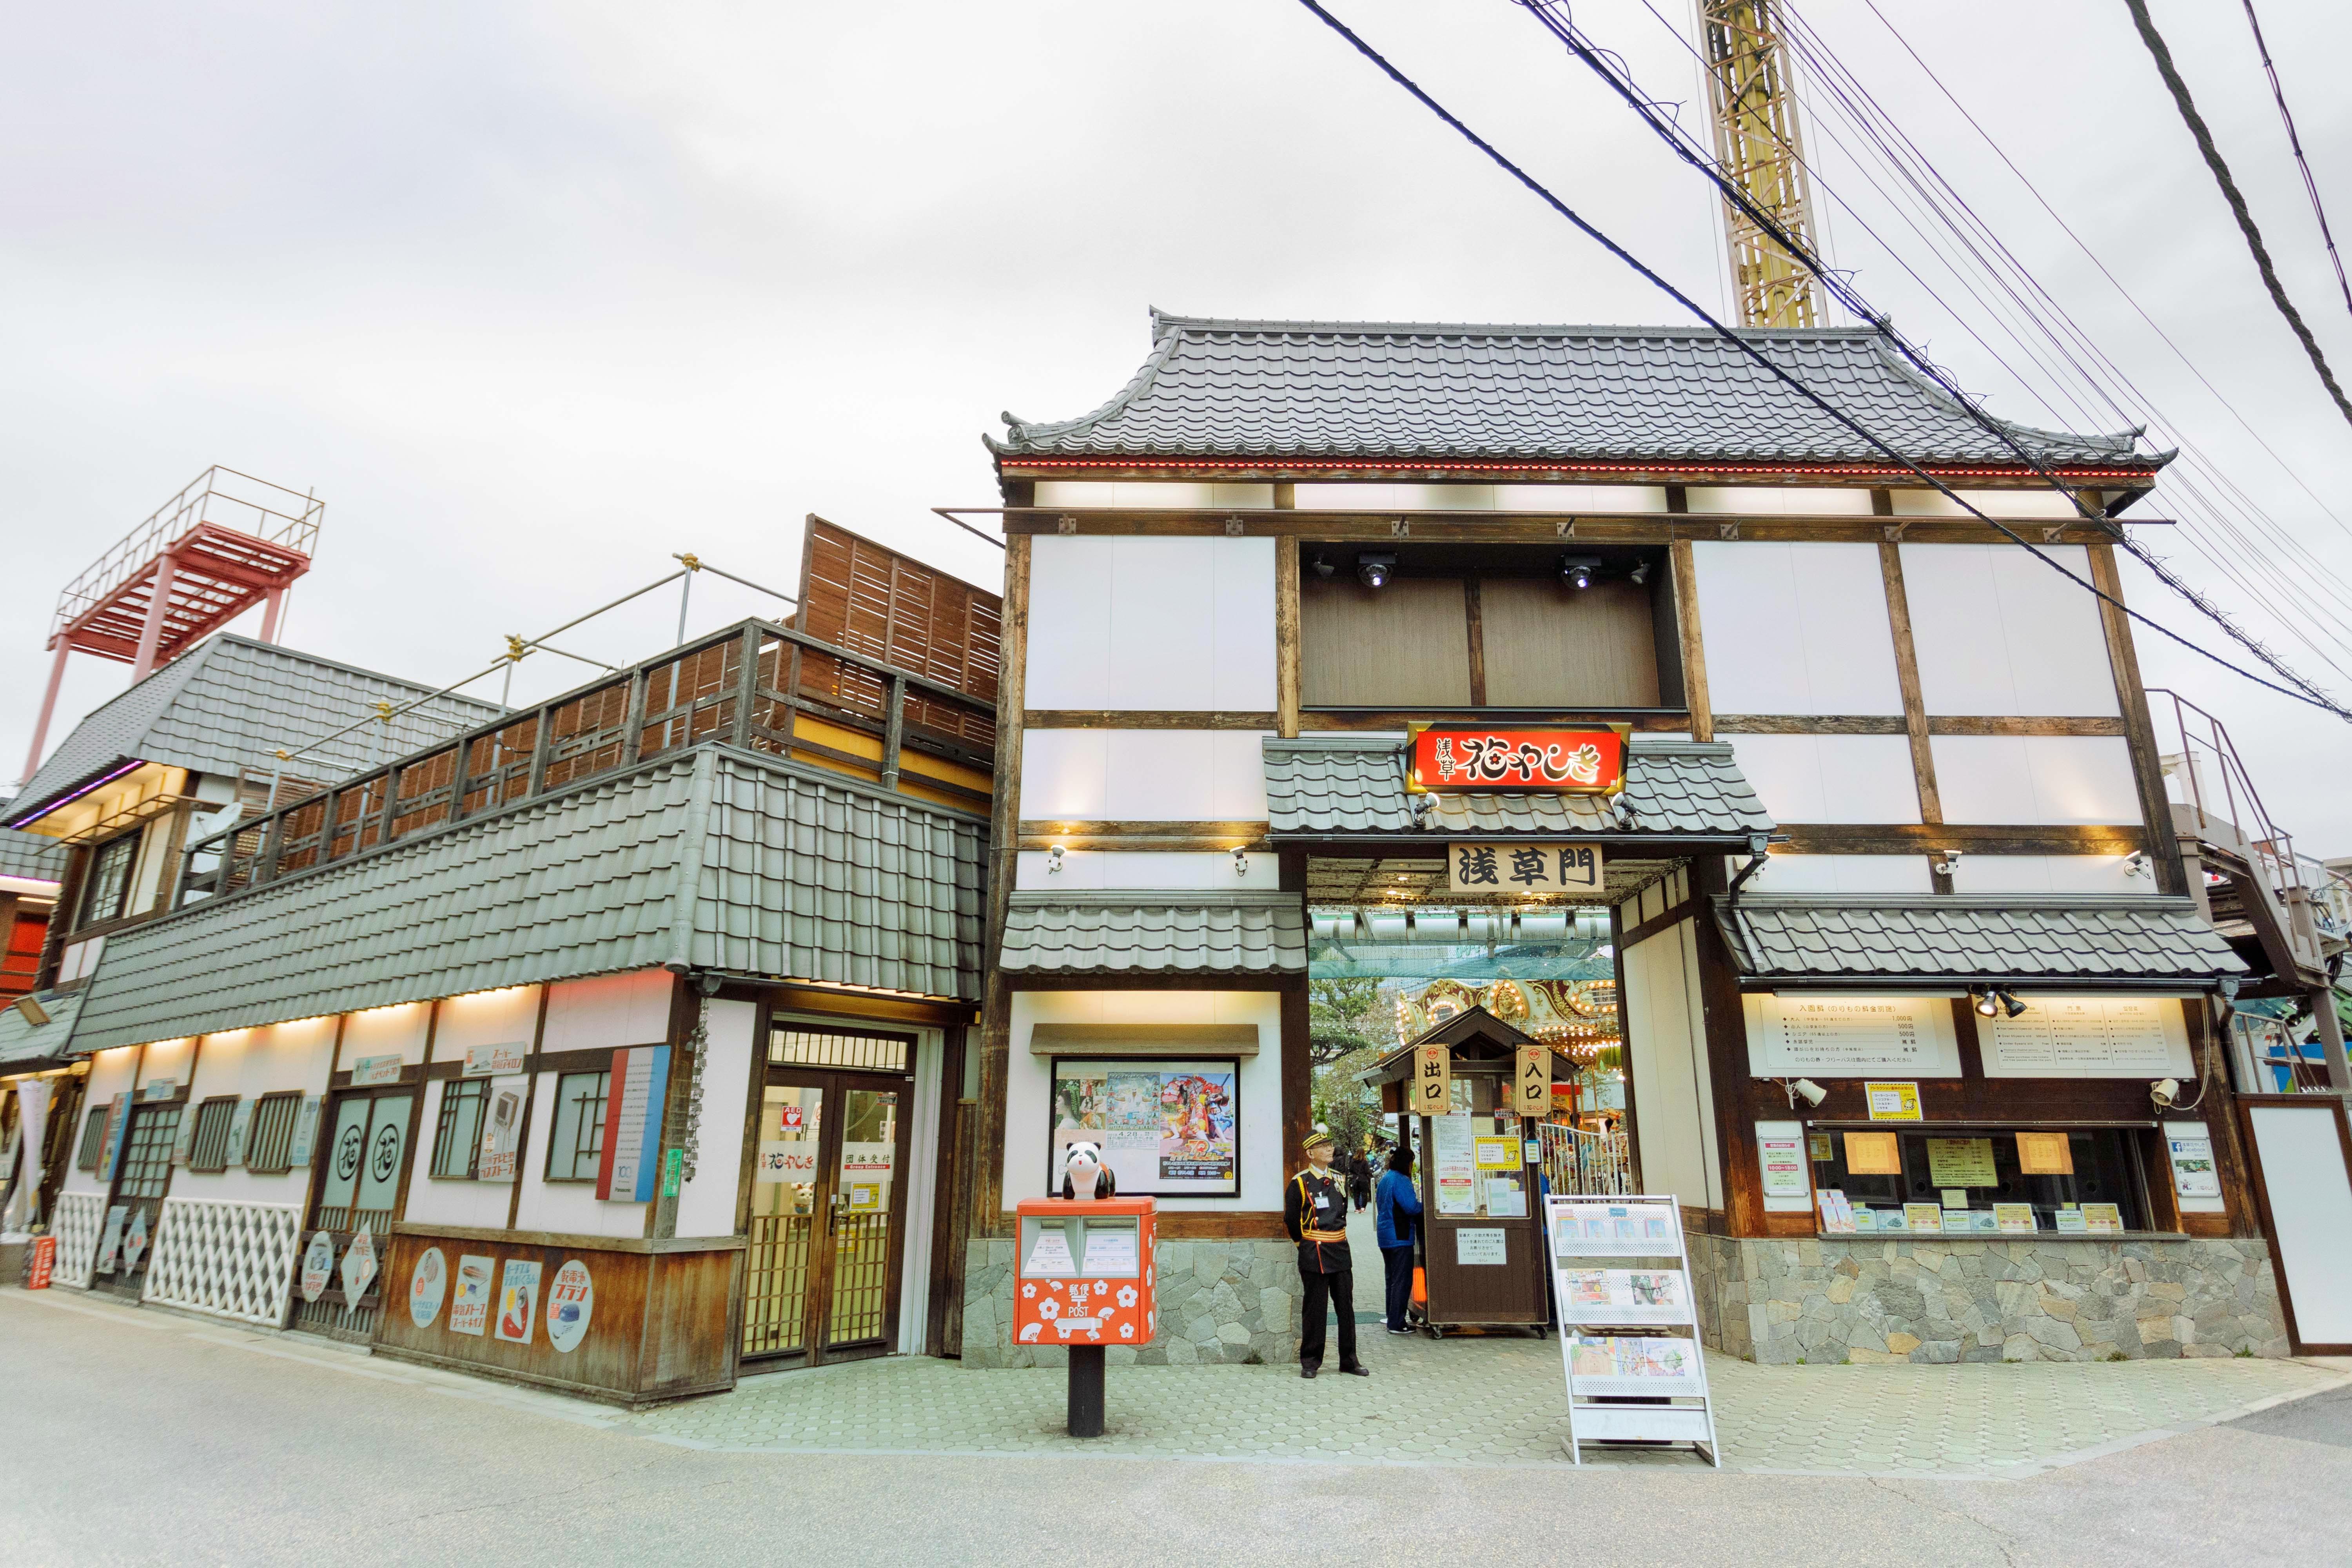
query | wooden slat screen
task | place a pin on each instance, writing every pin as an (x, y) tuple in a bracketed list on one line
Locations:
[(498, 766), (421, 799), (691, 699), (585, 735), (873, 601), (359, 817)]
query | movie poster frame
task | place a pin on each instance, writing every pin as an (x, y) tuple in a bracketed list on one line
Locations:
[(1176, 1059)]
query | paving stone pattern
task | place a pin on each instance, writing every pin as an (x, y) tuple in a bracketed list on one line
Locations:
[(1219, 1303), (1494, 1401), (1781, 1301)]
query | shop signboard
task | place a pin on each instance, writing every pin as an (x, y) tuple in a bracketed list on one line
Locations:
[(240, 1124), (369, 1071), (118, 1111), (1534, 1069), (110, 1241), (134, 1243), (1524, 868), (1640, 1386), (2089, 1036), (633, 1114), (1432, 1081), (1559, 762), (44, 1263), (306, 1135), (484, 1061)]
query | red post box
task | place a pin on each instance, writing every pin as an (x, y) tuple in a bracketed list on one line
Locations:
[(1083, 1272)]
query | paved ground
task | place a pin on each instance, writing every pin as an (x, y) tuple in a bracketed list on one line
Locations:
[(142, 1436)]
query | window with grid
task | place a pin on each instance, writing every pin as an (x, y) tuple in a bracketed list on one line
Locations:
[(269, 1137), (791, 1045), (103, 895), (214, 1118), (575, 1147), (458, 1134), (147, 1153), (93, 1140)]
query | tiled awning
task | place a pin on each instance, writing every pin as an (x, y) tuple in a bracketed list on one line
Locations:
[(1953, 939), (1155, 933)]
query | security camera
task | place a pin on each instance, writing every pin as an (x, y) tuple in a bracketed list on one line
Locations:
[(710, 984), (1577, 570), (1374, 571), (2164, 1091), (1323, 567), (1815, 1093)]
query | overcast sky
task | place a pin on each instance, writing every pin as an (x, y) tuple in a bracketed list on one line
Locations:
[(534, 296)]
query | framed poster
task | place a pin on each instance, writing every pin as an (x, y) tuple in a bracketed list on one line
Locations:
[(1168, 1129)]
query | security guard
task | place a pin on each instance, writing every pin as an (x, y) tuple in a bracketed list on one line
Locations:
[(1314, 1212)]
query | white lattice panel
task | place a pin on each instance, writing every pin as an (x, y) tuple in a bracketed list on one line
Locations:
[(79, 1219), (233, 1260)]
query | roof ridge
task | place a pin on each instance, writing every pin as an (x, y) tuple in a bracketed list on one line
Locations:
[(1167, 325)]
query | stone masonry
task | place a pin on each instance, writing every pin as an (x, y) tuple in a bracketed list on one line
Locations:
[(1816, 1299), (1219, 1302)]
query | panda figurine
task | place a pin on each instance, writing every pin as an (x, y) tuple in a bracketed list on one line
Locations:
[(1084, 1174)]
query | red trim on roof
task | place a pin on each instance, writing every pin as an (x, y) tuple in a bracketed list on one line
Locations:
[(1190, 467)]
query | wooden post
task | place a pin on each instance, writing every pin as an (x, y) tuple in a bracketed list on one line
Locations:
[(1286, 637), (1298, 1036), (1915, 707), (2139, 730), (1003, 863), (894, 728), (1474, 613), (747, 688), (1686, 578)]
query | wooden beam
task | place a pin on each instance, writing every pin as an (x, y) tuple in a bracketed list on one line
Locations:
[(1204, 836), (1154, 719), (1915, 707), (1918, 837), (2139, 730), (1512, 527), (1286, 637), (1474, 614), (1889, 725), (1685, 585)]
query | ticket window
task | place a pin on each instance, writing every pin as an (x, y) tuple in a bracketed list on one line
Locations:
[(2088, 1179)]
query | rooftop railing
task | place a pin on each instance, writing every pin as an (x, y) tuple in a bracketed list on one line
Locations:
[(271, 513), (756, 685)]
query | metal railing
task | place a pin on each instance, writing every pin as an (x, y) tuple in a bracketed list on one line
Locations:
[(223, 496), (1594, 1165), (2220, 789), (751, 685)]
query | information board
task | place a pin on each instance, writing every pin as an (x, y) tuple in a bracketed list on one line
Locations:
[(1627, 1387), (2089, 1036), (1810, 1035)]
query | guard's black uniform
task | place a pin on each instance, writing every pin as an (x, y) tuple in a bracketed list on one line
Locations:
[(1314, 1212)]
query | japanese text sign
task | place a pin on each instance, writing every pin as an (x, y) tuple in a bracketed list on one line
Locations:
[(1432, 1081), (1535, 1081), (1523, 868), (1571, 761)]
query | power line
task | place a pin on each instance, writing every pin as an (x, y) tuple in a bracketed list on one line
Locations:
[(2310, 186), (2308, 694), (2230, 192)]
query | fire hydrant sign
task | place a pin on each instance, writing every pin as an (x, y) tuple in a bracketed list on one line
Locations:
[(1566, 761)]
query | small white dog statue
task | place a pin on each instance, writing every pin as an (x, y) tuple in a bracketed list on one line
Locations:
[(1084, 1174)]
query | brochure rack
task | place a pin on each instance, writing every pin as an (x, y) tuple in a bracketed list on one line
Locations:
[(1621, 1275)]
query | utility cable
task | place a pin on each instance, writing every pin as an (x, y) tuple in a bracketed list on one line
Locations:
[(2307, 694), (2230, 192), (2310, 186)]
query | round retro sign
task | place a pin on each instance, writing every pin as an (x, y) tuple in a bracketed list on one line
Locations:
[(426, 1287), (318, 1266), (570, 1302)]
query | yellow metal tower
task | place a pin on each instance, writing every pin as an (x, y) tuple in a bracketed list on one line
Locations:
[(1755, 114)]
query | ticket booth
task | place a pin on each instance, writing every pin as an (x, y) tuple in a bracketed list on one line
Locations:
[(1473, 1089)]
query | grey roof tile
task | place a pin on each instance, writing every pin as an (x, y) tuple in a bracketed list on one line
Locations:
[(1982, 937), (30, 856), (24, 1042), (1155, 933), (592, 880), (1340, 784), (230, 702), (1546, 394)]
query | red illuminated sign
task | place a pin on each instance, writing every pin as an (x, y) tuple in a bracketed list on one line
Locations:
[(1568, 762)]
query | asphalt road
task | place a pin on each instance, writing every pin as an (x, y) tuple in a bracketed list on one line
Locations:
[(143, 1437)]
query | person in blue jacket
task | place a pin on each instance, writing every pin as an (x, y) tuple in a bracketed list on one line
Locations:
[(1396, 1209)]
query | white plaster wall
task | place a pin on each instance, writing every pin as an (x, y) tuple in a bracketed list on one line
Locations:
[(433, 1200), (1479, 498), (1580, 498), (707, 1204), (1095, 870), (608, 1011), (110, 1074), (1666, 1052), (566, 1207), (1997, 632), (1779, 500), (2035, 780), (2047, 874), (1143, 495), (1151, 624), (1029, 1083), (505, 1017), (250, 1063), (1840, 874), (397, 1030), (1830, 778), (1795, 628), (1142, 775), (168, 1059), (2043, 502)]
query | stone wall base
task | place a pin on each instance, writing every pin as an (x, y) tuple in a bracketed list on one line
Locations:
[(1219, 1302), (1788, 1299)]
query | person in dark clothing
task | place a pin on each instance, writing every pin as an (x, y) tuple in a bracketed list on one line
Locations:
[(1360, 1179), (1396, 1211), (1315, 1212)]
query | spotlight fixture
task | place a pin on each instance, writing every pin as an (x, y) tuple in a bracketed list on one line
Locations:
[(1985, 1005), (1323, 567), (1639, 575), (2165, 1091), (1374, 571), (1241, 862), (1577, 570), (1994, 1003), (1946, 862), (1054, 861), (2136, 865)]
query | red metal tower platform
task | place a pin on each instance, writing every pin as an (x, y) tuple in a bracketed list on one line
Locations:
[(226, 543)]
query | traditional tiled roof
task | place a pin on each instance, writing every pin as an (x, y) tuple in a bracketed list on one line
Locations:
[(708, 859), (25, 1045), (1992, 938), (1565, 395), (1322, 784), (31, 855), (230, 702), (1155, 933)]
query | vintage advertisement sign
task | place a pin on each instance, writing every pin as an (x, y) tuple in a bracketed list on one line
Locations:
[(518, 1300), (318, 1266), (159, 1089), (118, 1111), (134, 1243), (1432, 1081), (501, 1130), (483, 1061), (240, 1127), (372, 1070), (1534, 1069), (633, 1115), (570, 1302), (358, 1266), (470, 1309), (428, 1285), (1504, 867), (306, 1135), (44, 1263), (1561, 762)]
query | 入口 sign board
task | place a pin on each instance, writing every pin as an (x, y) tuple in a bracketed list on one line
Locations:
[(1561, 762), (1529, 868), (1534, 1068)]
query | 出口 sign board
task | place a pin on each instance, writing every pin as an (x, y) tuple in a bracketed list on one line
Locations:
[(1564, 762), (1524, 868)]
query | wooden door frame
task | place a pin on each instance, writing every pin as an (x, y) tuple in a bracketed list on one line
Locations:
[(895, 1267), (2247, 1105)]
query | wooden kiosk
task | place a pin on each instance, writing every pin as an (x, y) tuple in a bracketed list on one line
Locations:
[(1481, 1236)]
